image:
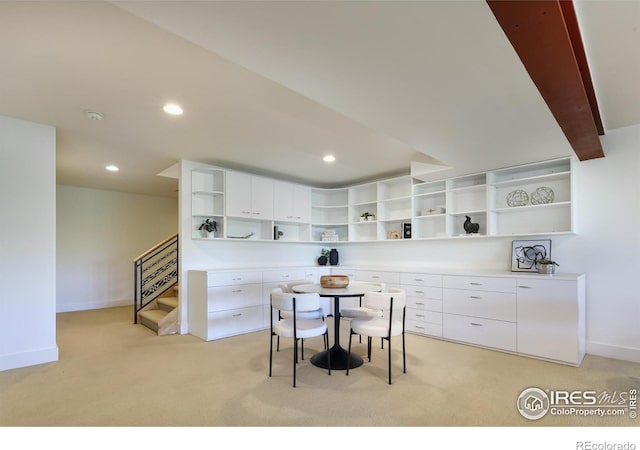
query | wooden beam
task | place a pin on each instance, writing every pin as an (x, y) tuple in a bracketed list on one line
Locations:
[(546, 37)]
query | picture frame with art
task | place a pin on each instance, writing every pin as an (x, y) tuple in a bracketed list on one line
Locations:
[(526, 254)]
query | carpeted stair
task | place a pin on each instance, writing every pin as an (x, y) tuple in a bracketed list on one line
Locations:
[(162, 315)]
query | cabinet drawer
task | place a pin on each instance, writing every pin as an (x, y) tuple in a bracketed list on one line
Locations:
[(283, 276), (424, 303), (235, 321), (421, 279), (430, 329), (423, 292), (420, 315), (379, 277), (231, 278), (485, 332), (480, 283), (233, 297), (489, 305)]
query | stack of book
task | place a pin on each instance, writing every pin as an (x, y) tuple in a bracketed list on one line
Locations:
[(330, 236)]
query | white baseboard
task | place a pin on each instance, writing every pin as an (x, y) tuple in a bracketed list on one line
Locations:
[(614, 351), (30, 358), (70, 307)]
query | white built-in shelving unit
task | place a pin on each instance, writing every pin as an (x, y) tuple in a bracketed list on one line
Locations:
[(531, 199)]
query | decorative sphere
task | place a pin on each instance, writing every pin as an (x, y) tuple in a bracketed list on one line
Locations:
[(517, 198), (542, 195)]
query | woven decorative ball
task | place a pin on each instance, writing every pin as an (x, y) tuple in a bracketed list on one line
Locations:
[(518, 198), (542, 195)]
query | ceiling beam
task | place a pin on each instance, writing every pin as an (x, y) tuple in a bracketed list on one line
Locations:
[(546, 37)]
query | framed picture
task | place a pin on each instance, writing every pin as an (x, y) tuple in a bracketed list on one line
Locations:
[(406, 231), (526, 254)]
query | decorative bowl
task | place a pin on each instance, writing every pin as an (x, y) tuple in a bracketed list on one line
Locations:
[(334, 281)]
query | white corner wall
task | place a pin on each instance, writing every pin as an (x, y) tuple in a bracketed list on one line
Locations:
[(99, 235), (27, 244)]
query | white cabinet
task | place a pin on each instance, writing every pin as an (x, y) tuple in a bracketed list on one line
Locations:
[(249, 196), (291, 202), (224, 304), (531, 199), (527, 314), (424, 303), (249, 206), (291, 212), (480, 311), (551, 319)]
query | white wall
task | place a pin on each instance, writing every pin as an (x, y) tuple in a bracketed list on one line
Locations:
[(99, 235), (606, 247), (27, 244)]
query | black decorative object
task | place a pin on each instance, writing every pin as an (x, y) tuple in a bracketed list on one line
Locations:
[(406, 230), (322, 260), (333, 257), (209, 225), (471, 227)]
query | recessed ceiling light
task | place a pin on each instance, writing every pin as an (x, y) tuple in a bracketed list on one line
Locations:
[(173, 109), (112, 168), (329, 158)]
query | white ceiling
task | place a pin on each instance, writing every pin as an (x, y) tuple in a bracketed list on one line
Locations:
[(269, 87)]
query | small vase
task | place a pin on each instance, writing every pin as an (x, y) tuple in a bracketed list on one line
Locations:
[(547, 269), (333, 257), (322, 260)]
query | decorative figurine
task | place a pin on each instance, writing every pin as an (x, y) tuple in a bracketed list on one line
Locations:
[(471, 227)]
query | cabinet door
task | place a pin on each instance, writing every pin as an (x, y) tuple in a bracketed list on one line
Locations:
[(238, 194), (549, 319), (261, 198), (282, 201), (301, 204)]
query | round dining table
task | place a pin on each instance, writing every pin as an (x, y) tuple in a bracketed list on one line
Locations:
[(339, 356)]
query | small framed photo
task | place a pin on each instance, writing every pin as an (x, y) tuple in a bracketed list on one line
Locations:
[(406, 231), (526, 254)]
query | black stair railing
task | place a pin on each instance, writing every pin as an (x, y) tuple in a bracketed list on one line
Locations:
[(155, 272)]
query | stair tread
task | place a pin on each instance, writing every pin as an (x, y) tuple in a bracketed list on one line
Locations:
[(154, 315), (171, 302)]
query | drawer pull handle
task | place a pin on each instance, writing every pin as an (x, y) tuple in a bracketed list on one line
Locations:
[(237, 315), (236, 279), (418, 303), (524, 287), (419, 292), (419, 327), (475, 297), (419, 315), (236, 291), (375, 276), (476, 324), (475, 284), (419, 279)]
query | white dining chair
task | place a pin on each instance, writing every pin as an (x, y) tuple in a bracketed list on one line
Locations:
[(360, 311), (296, 327), (392, 306)]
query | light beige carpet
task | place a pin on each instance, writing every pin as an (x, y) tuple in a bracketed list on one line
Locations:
[(114, 373)]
